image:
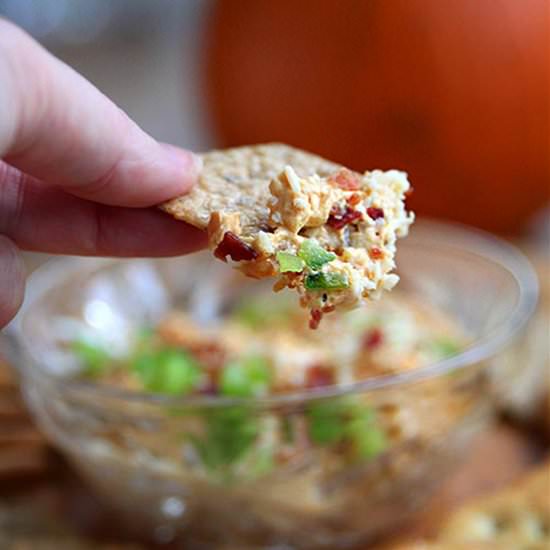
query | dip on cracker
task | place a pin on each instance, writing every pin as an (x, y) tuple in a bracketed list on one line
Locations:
[(321, 229)]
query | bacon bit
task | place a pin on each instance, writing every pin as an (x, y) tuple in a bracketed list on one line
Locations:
[(375, 253), (353, 200), (373, 339), (210, 355), (338, 219), (279, 285), (209, 388), (328, 309), (315, 319), (235, 248), (375, 213), (345, 179), (287, 280), (318, 376)]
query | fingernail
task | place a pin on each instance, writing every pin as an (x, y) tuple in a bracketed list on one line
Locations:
[(190, 160), (188, 164), (198, 162)]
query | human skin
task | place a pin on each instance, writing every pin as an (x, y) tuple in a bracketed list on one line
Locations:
[(77, 175)]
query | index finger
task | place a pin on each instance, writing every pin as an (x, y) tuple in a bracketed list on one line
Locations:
[(56, 126)]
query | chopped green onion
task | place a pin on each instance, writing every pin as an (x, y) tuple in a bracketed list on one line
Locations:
[(370, 443), (446, 347), (253, 314), (143, 335), (94, 358), (265, 311), (290, 263), (326, 281), (338, 421), (246, 377), (314, 255), (229, 433), (168, 371), (261, 462), (328, 420), (326, 428), (368, 440)]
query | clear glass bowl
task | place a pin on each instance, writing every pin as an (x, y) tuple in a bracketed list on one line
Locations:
[(130, 446)]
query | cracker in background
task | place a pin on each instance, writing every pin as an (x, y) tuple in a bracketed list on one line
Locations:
[(446, 546), (517, 517)]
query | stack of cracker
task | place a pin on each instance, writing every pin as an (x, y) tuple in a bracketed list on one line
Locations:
[(25, 459), (23, 450), (515, 518)]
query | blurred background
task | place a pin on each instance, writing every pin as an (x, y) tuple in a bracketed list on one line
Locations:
[(456, 93)]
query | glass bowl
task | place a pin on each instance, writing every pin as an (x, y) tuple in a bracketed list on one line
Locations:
[(133, 447)]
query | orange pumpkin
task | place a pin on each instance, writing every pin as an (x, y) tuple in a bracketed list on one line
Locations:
[(455, 92)]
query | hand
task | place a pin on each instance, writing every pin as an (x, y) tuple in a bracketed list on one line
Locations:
[(76, 173)]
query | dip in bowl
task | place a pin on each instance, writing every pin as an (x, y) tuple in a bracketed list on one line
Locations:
[(201, 408)]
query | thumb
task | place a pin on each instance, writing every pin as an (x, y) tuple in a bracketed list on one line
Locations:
[(61, 130), (12, 280)]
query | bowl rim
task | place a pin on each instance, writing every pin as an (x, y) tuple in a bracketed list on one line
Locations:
[(464, 238)]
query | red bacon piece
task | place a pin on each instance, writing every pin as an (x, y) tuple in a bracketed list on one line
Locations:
[(373, 339), (318, 376), (315, 318), (375, 253), (346, 179), (354, 199), (339, 219), (375, 213), (235, 248)]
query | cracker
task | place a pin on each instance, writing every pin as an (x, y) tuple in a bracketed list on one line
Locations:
[(237, 180), (22, 461), (49, 542), (516, 517), (443, 546), (323, 230)]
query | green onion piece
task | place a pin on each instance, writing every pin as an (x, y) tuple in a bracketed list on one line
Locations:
[(326, 430), (290, 263), (247, 377), (262, 462), (370, 443), (94, 358), (446, 347), (327, 421), (264, 312), (168, 371), (253, 314), (314, 254), (229, 433), (343, 421), (368, 440), (326, 281), (143, 335)]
